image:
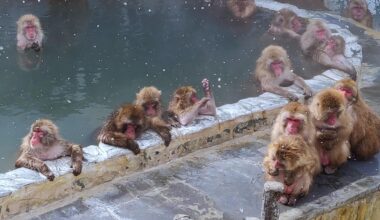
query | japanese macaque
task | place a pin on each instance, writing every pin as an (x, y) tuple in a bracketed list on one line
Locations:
[(274, 69), (333, 125), (358, 10), (126, 124), (29, 33), (292, 162), (331, 54), (242, 8), (286, 22), (365, 138), (43, 142), (186, 106), (295, 119), (325, 49), (316, 34)]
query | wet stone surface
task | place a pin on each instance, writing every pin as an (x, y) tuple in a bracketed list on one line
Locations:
[(217, 183)]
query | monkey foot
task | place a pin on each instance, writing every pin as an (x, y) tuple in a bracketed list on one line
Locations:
[(283, 199), (329, 170), (50, 176)]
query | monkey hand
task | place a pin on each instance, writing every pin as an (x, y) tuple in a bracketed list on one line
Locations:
[(77, 168), (35, 46), (292, 97), (206, 87), (308, 93), (50, 176), (274, 172), (133, 146)]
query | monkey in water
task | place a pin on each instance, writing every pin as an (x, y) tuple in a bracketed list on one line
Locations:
[(185, 105), (273, 69), (126, 124), (365, 137), (291, 161), (43, 142), (242, 9), (286, 22), (29, 33), (333, 125), (358, 10)]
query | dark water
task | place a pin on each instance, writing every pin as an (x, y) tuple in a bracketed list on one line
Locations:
[(99, 53)]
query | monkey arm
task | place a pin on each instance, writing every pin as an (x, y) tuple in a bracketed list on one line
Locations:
[(190, 113), (338, 62), (119, 139), (162, 129), (209, 108), (76, 153), (291, 33), (298, 81), (33, 163), (271, 87)]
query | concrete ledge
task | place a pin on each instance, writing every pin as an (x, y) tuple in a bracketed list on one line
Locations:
[(22, 190), (359, 200)]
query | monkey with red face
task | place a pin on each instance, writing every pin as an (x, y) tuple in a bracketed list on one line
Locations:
[(29, 33), (43, 142)]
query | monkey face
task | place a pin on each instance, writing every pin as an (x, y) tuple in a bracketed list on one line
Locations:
[(151, 108), (43, 133), (358, 9), (320, 33), (30, 31), (279, 20), (348, 88), (185, 96), (130, 120), (296, 24), (276, 59)]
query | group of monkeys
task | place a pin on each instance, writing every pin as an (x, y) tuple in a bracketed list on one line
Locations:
[(122, 127), (305, 139), (321, 136)]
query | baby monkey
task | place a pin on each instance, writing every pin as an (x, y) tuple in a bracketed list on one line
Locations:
[(43, 142)]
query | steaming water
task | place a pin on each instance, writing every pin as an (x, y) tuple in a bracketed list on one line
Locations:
[(99, 53)]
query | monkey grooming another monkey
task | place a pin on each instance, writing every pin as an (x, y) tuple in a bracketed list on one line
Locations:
[(292, 162), (286, 22), (29, 33), (358, 10), (273, 69), (295, 119), (126, 124), (186, 106), (242, 8), (365, 137), (43, 142), (334, 126), (325, 49)]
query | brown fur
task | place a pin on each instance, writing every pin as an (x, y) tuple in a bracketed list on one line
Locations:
[(282, 24), (242, 8), (300, 163), (367, 20), (309, 43), (22, 41), (365, 138), (149, 94), (272, 83), (331, 140), (113, 130), (53, 147), (300, 112), (183, 109)]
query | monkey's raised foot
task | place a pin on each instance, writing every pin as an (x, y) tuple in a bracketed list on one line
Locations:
[(283, 199), (329, 170), (77, 169)]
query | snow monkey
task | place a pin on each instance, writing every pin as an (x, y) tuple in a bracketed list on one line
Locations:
[(43, 142), (126, 124), (242, 8), (186, 106), (274, 69), (358, 10), (286, 22), (334, 125), (295, 119), (365, 138), (291, 161), (29, 33)]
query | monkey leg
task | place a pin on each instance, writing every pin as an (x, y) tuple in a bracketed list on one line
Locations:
[(36, 164), (120, 140), (76, 158), (367, 147)]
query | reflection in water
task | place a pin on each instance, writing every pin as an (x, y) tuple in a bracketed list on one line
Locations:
[(29, 60), (99, 53)]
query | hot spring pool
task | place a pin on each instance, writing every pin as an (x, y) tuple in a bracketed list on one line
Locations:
[(99, 53)]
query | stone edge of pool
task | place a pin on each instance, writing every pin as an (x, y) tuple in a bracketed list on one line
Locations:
[(22, 189)]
